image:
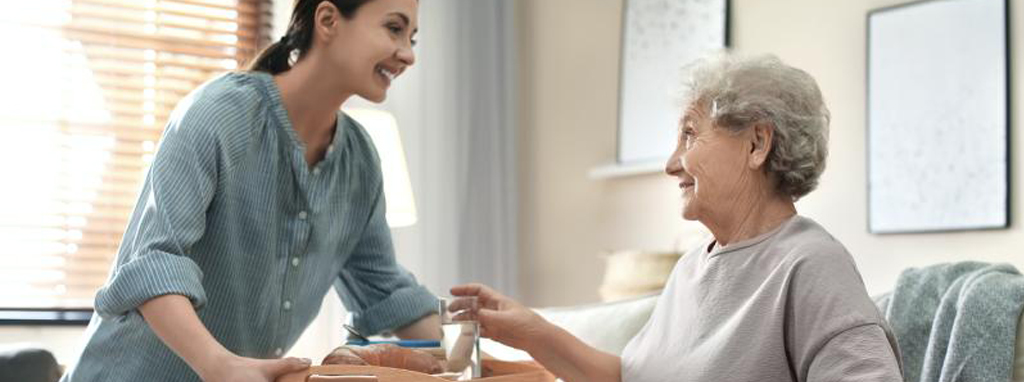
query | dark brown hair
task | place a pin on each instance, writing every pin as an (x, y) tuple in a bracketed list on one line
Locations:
[(299, 37)]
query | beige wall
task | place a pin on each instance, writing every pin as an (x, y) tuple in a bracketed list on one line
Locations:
[(569, 72)]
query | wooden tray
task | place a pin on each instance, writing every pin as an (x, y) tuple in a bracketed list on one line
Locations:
[(501, 371)]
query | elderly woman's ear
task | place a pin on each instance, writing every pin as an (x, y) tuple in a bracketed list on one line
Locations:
[(761, 135)]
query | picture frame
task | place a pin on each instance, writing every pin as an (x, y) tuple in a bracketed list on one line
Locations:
[(659, 39), (938, 116)]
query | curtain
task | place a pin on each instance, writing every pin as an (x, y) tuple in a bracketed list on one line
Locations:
[(456, 111)]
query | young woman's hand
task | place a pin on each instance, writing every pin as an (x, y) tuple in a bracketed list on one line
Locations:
[(501, 318), (173, 319), (242, 369)]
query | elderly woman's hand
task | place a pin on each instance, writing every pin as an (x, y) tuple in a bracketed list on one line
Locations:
[(501, 318)]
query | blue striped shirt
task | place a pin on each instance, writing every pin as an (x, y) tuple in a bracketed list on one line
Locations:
[(232, 217)]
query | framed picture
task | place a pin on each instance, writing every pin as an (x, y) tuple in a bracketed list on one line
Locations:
[(938, 116), (659, 38)]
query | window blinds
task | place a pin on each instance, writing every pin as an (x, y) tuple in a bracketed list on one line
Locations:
[(88, 86)]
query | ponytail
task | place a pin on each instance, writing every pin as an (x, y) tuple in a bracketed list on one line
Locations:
[(274, 58)]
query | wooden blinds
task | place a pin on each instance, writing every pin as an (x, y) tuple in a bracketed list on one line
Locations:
[(87, 88)]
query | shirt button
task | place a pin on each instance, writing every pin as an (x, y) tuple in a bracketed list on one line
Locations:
[(287, 305), (278, 352), (302, 215), (316, 171), (295, 261)]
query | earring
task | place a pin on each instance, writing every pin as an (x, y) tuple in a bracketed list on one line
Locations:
[(293, 57)]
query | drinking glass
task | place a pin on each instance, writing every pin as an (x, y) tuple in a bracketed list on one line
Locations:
[(461, 336)]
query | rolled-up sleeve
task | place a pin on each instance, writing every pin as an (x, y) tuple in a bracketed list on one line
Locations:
[(169, 218), (379, 292)]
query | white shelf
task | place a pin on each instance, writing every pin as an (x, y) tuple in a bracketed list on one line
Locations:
[(621, 170)]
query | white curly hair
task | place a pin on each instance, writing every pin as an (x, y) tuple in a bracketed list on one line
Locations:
[(741, 91)]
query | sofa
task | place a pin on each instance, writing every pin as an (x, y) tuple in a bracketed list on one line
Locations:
[(606, 326), (610, 326)]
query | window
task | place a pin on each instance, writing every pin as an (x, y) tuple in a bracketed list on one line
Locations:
[(88, 86)]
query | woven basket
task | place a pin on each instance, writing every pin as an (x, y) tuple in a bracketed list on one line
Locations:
[(501, 371)]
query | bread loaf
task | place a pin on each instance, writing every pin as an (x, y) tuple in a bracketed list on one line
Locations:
[(386, 355)]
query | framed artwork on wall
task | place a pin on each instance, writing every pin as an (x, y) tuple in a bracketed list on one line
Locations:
[(938, 116), (659, 38)]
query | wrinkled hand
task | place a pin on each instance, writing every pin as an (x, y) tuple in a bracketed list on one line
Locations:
[(501, 318), (242, 369)]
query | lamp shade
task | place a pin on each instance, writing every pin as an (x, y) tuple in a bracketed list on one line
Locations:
[(383, 129)]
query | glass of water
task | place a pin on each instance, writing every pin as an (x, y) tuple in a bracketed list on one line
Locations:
[(461, 336)]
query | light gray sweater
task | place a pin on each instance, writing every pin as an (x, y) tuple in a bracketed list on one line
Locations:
[(788, 305)]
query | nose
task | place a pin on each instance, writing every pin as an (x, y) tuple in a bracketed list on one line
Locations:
[(406, 55), (674, 166)]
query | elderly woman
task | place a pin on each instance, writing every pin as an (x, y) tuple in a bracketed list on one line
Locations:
[(772, 296)]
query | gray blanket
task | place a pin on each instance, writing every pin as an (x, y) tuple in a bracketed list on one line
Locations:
[(956, 322)]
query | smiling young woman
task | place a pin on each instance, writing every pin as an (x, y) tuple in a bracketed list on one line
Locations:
[(262, 196)]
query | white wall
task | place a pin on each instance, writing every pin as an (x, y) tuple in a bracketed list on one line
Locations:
[(569, 73), (568, 57)]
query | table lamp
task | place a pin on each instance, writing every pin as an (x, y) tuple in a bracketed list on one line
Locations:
[(383, 130)]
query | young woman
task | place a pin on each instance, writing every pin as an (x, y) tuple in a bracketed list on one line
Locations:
[(262, 196)]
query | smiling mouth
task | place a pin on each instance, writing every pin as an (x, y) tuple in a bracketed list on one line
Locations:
[(386, 74)]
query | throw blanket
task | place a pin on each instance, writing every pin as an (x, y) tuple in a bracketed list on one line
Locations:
[(956, 322)]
